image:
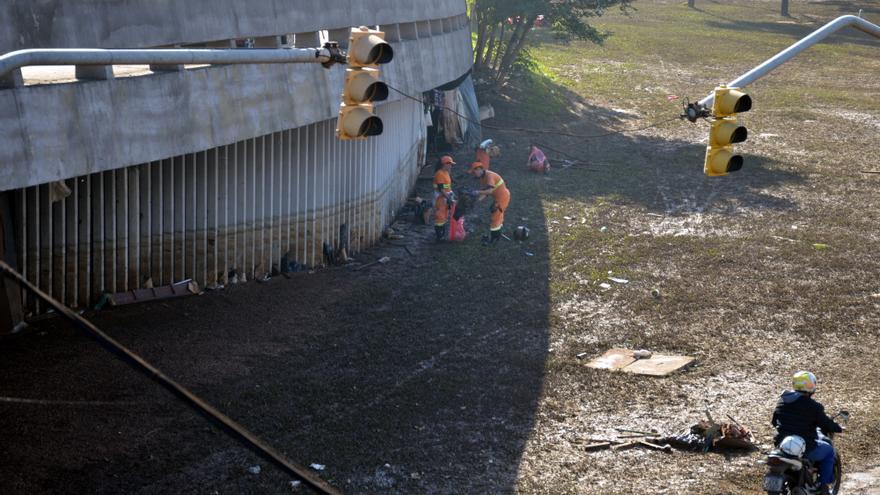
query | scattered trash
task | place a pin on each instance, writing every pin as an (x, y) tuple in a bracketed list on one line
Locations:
[(382, 261), (603, 229), (618, 280), (567, 218), (183, 288), (529, 254), (605, 285), (255, 469), (653, 365), (642, 354), (521, 233), (295, 484), (708, 435), (655, 293), (820, 246), (581, 355), (317, 467)]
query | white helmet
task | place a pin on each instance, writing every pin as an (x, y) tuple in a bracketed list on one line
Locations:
[(793, 445)]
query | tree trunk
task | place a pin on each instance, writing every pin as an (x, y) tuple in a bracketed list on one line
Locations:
[(499, 44), (785, 8), (511, 44), (491, 45), (517, 42), (482, 28), (691, 3)]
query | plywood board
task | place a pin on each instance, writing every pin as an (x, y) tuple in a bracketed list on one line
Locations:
[(613, 359), (659, 365)]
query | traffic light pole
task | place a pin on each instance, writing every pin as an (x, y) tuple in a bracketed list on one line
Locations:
[(787, 54), (328, 55)]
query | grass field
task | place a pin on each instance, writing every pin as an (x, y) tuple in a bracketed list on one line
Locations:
[(744, 288)]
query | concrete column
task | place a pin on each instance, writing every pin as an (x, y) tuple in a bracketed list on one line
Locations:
[(94, 72), (423, 28), (10, 293), (12, 80), (392, 32)]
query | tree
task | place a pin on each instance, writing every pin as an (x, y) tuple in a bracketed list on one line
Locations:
[(503, 27), (785, 8)]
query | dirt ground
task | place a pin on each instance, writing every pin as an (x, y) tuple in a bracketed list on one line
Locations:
[(454, 369)]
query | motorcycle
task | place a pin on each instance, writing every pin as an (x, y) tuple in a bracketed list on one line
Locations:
[(790, 473)]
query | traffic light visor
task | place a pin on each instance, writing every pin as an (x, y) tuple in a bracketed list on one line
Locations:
[(726, 132), (368, 47), (721, 161), (359, 122), (729, 101), (364, 86)]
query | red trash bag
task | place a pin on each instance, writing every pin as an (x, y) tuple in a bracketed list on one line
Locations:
[(456, 227)]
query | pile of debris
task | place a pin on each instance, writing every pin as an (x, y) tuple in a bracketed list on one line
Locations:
[(702, 437)]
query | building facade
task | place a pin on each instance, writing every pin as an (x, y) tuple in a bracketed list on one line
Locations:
[(117, 178)]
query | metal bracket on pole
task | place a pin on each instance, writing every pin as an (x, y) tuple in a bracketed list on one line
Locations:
[(328, 55), (701, 107)]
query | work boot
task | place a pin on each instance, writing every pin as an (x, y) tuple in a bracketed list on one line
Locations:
[(440, 232), (825, 489), (495, 236)]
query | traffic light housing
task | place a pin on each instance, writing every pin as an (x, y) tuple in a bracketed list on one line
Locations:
[(726, 131), (367, 49)]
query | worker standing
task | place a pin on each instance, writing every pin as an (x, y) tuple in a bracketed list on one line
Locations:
[(491, 184), (443, 196)]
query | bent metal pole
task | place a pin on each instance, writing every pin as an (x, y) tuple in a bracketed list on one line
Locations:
[(225, 423), (170, 56), (787, 54)]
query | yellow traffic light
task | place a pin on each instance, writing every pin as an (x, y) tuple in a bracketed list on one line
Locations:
[(364, 86), (367, 49), (730, 101), (725, 132)]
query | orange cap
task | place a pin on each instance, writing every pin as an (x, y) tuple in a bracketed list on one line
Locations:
[(475, 166), (446, 160)]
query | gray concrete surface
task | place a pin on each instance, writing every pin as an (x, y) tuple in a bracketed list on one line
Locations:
[(150, 23), (59, 131)]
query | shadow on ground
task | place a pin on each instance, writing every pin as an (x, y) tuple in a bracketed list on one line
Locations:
[(420, 376)]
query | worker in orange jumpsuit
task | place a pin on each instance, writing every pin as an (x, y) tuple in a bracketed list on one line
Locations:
[(484, 152), (443, 196), (491, 184)]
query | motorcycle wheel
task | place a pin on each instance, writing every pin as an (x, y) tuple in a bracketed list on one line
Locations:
[(838, 475)]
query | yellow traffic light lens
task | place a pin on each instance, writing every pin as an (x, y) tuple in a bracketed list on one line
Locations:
[(721, 161), (729, 101), (369, 48), (359, 122), (382, 53), (725, 132), (364, 86)]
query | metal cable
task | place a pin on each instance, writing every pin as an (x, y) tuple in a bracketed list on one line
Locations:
[(225, 423)]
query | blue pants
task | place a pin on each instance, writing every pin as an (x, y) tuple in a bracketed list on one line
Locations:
[(823, 454)]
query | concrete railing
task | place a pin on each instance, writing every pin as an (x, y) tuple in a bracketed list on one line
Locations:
[(152, 23)]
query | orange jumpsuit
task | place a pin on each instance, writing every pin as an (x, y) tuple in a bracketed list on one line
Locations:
[(500, 197), (442, 187)]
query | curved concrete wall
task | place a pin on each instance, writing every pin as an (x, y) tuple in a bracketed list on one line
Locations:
[(147, 23), (57, 131)]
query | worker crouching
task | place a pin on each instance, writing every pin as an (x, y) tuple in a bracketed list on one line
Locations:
[(443, 196), (491, 184)]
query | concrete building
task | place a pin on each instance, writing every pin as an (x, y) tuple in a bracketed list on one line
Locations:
[(116, 177)]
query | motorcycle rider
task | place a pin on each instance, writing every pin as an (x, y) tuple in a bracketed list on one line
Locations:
[(797, 413)]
